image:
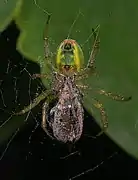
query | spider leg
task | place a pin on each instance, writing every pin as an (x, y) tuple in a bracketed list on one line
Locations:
[(44, 119), (45, 36), (46, 76), (35, 102), (104, 118), (114, 96), (82, 86), (95, 48), (48, 54)]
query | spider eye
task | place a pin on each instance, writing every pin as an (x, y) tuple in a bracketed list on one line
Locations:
[(67, 46)]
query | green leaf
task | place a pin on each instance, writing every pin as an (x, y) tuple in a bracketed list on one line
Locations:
[(8, 10), (116, 63)]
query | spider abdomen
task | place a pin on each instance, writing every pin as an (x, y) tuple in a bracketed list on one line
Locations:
[(68, 122), (66, 117)]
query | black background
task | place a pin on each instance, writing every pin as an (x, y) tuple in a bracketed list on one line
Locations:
[(39, 156)]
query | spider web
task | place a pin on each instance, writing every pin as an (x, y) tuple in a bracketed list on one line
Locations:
[(25, 144), (16, 85)]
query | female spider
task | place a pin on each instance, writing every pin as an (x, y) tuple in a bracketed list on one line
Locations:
[(64, 121)]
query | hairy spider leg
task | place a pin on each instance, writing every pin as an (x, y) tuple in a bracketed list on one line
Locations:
[(44, 119), (95, 48), (83, 86), (99, 106), (114, 96), (45, 37), (48, 54), (46, 76), (35, 102), (104, 118)]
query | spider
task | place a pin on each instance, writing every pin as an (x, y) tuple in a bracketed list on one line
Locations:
[(64, 121)]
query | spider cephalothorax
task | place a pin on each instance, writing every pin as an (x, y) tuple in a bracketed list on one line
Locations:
[(69, 57)]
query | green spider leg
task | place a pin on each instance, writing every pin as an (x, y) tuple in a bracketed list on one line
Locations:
[(44, 119), (114, 96), (48, 54), (95, 48), (80, 86), (99, 105), (35, 102), (46, 43), (45, 34), (104, 118), (46, 76), (91, 67)]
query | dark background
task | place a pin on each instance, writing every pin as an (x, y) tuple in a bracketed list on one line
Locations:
[(31, 153)]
